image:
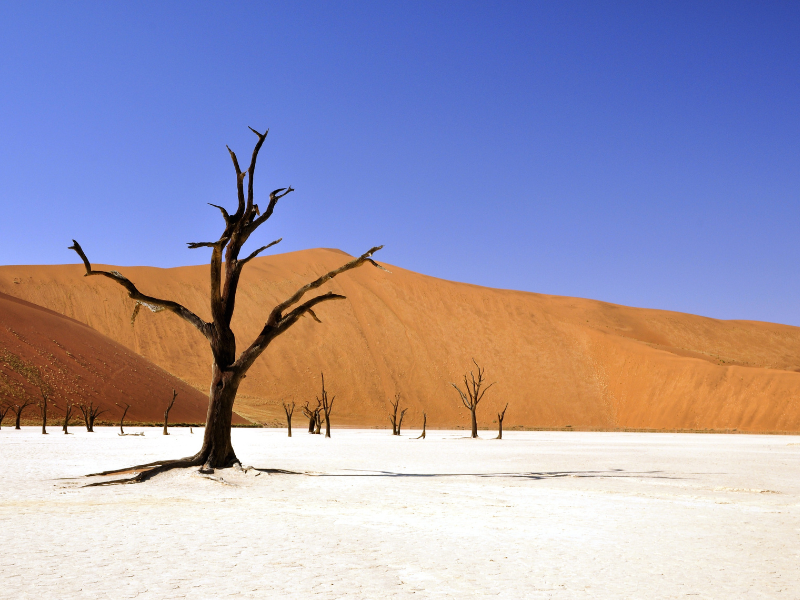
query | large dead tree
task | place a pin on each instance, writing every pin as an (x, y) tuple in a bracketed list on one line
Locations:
[(396, 421), (228, 367), (169, 408), (90, 412), (473, 394), (327, 407), (500, 417), (289, 410)]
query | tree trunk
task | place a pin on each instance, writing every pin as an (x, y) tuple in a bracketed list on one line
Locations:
[(217, 450), (289, 424), (424, 425), (499, 427), (474, 423), (90, 424), (327, 425), (312, 421), (16, 422)]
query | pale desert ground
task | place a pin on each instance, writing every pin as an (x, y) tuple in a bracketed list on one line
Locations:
[(369, 515)]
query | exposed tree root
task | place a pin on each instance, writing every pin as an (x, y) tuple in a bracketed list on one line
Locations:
[(146, 471)]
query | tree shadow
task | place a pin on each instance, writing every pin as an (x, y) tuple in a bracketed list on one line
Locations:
[(535, 475)]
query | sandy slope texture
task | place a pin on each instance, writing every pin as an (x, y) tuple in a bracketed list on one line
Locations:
[(557, 361), (368, 515), (82, 365)]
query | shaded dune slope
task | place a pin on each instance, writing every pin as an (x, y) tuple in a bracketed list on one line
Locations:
[(557, 361), (82, 365)]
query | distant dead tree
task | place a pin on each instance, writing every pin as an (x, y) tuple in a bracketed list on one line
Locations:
[(43, 410), (396, 422), (314, 419), (228, 369), (327, 407), (4, 408), (122, 418), (169, 408), (500, 417), (474, 394), (18, 408), (424, 424), (289, 410), (67, 415), (13, 394), (90, 413)]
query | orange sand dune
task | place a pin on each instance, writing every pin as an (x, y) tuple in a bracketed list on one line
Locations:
[(557, 361), (82, 365)]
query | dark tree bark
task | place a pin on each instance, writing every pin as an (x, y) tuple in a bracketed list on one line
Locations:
[(122, 418), (400, 420), (424, 425), (500, 417), (473, 395), (327, 407), (166, 412), (228, 369), (90, 413), (3, 412), (289, 410), (18, 408)]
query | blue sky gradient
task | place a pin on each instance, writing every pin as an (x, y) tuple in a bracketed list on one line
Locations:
[(646, 154)]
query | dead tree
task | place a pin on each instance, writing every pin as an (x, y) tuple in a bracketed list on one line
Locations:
[(228, 369), (122, 418), (169, 408), (18, 408), (424, 425), (500, 417), (312, 417), (43, 410), (289, 410), (396, 423), (90, 413), (474, 394), (67, 415), (327, 407), (4, 408)]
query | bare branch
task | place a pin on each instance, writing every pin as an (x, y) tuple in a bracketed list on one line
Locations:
[(259, 251), (148, 301), (275, 316), (224, 212)]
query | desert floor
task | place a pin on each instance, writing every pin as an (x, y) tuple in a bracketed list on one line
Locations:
[(369, 515)]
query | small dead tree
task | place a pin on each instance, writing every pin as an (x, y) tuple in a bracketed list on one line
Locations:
[(90, 413), (18, 408), (314, 422), (229, 369), (327, 407), (67, 415), (43, 410), (122, 418), (289, 410), (424, 425), (4, 408), (474, 394), (169, 408), (500, 417), (396, 422)]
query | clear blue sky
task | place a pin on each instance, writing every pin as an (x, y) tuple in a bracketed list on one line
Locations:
[(642, 153)]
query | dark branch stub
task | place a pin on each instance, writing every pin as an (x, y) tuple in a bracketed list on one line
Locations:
[(228, 370), (166, 412)]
